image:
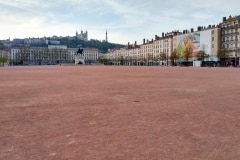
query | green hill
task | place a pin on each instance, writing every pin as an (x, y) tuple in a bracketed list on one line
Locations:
[(102, 46)]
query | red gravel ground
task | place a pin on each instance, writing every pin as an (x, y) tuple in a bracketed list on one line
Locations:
[(119, 112)]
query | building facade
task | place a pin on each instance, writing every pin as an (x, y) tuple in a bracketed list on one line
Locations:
[(154, 52), (230, 38), (163, 48), (205, 39), (51, 55)]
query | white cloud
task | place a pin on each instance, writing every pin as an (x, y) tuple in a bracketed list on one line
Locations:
[(19, 3), (126, 20)]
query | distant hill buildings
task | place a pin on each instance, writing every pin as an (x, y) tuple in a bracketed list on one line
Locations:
[(44, 41), (82, 35)]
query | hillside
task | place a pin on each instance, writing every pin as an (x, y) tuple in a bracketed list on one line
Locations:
[(102, 46)]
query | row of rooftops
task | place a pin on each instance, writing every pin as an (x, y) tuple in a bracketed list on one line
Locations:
[(177, 32)]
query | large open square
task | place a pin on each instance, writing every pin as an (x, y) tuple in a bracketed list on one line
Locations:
[(119, 112)]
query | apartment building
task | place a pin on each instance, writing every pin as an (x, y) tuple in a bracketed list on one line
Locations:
[(211, 39), (91, 55), (132, 54), (230, 38), (163, 48), (119, 56), (154, 52), (159, 50), (146, 52), (215, 42)]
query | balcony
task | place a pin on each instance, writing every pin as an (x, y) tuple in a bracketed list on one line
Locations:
[(231, 26), (232, 33), (229, 41)]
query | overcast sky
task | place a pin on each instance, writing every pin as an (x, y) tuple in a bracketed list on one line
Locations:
[(125, 20)]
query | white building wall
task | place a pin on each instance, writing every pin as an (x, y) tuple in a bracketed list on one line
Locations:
[(57, 46), (206, 41), (52, 54)]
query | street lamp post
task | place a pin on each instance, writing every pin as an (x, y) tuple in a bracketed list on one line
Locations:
[(236, 47), (236, 54)]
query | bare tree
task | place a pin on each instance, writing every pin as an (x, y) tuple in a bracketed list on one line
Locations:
[(223, 54), (173, 57), (163, 57)]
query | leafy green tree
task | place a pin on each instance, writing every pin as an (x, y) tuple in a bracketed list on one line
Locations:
[(103, 60), (173, 57), (3, 60)]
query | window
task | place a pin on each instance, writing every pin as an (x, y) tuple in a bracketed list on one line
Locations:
[(212, 38), (212, 45), (212, 31)]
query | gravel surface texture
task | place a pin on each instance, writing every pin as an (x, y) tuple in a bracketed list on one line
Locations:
[(119, 113)]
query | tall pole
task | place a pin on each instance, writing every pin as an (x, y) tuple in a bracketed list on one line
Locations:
[(106, 36), (236, 55)]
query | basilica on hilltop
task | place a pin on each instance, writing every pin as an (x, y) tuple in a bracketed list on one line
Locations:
[(82, 35)]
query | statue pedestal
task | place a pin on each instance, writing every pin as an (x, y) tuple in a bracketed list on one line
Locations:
[(79, 59)]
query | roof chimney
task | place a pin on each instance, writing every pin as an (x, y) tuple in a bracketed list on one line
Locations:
[(224, 19), (199, 28)]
